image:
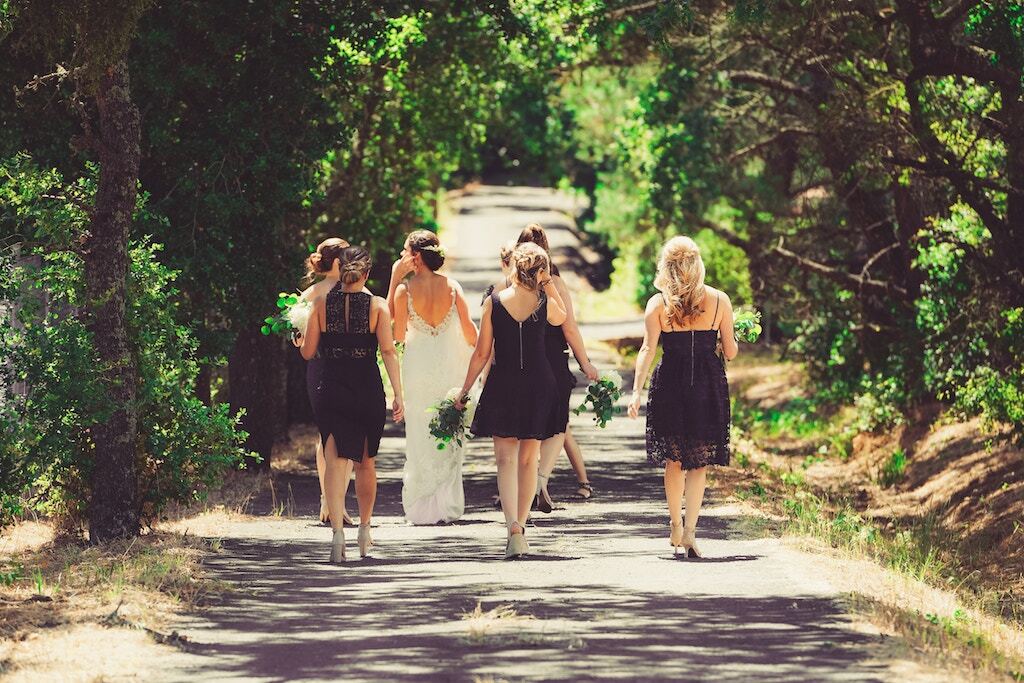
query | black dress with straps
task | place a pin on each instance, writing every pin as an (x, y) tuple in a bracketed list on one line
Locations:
[(688, 413), (557, 349), (519, 395), (346, 392)]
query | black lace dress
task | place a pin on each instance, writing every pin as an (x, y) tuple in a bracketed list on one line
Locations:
[(688, 412), (519, 395), (345, 389)]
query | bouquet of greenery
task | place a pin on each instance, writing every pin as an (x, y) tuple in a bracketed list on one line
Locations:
[(602, 395), (747, 325), (291, 317), (449, 422)]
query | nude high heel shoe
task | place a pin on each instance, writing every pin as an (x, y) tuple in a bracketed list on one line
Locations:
[(338, 546), (516, 546), (690, 543), (675, 537), (364, 540)]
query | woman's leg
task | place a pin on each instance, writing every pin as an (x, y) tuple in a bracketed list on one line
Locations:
[(334, 484), (572, 449), (505, 457), (696, 481), (674, 481), (366, 486), (550, 449), (321, 469), (529, 453), (349, 466)]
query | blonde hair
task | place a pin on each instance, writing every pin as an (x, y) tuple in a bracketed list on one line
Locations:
[(527, 261), (680, 278), (355, 264), (506, 253)]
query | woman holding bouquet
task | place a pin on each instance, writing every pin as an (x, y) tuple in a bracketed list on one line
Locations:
[(517, 401), (558, 339), (320, 264), (688, 408), (431, 312), (345, 329)]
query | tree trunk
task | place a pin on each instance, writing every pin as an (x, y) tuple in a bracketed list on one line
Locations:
[(113, 504), (258, 382)]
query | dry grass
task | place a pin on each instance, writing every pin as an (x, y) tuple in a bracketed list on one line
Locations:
[(67, 608), (501, 619)]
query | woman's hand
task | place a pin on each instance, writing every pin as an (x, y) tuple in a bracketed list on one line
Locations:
[(462, 400), (297, 339), (398, 409), (590, 371), (634, 405), (402, 267)]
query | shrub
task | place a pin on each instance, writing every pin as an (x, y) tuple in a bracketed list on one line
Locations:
[(50, 391)]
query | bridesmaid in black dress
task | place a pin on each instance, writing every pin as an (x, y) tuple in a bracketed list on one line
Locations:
[(318, 265), (557, 341), (518, 398), (688, 408), (345, 329)]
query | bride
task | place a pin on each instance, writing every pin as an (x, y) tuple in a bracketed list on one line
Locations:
[(432, 318)]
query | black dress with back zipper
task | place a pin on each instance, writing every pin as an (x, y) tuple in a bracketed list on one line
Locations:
[(518, 398)]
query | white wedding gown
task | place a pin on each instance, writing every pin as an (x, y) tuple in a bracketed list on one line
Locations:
[(435, 362)]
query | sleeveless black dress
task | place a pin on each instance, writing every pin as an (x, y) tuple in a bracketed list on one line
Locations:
[(557, 350), (519, 395), (345, 387), (688, 413)]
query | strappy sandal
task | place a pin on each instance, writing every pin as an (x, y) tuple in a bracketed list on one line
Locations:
[(584, 486)]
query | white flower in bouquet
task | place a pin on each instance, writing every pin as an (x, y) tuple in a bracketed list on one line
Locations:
[(298, 314), (612, 376)]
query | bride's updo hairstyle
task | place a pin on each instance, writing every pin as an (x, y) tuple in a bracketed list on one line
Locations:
[(426, 244), (355, 264), (322, 260), (535, 233), (528, 260), (680, 278)]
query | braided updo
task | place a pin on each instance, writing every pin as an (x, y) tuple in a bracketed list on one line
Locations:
[(355, 264), (528, 260)]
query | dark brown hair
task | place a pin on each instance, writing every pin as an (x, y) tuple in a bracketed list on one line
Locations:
[(419, 240), (535, 233), (322, 260), (355, 264)]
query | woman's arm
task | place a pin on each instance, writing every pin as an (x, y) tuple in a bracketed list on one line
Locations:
[(399, 270), (400, 310), (469, 331), (481, 353), (390, 356), (726, 332), (311, 339), (652, 333), (556, 307), (572, 333)]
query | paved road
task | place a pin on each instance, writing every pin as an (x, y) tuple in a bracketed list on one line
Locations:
[(601, 598)]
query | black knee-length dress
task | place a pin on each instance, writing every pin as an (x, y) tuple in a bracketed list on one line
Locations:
[(688, 413), (343, 380), (519, 395), (557, 350)]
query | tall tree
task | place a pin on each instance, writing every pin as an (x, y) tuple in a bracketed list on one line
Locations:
[(88, 41)]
